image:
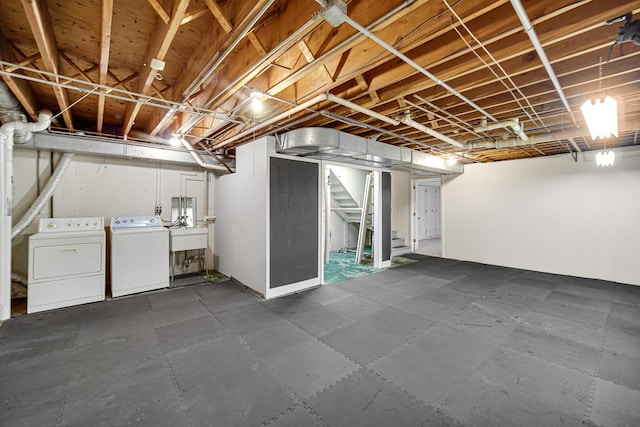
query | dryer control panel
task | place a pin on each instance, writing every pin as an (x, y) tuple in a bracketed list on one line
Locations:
[(59, 225), (120, 222)]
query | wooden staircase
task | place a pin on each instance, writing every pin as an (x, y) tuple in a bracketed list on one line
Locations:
[(398, 245), (350, 210), (342, 202)]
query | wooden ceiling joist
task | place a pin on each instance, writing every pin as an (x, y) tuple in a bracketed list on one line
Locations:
[(160, 11), (158, 48), (215, 52), (20, 88), (199, 66), (256, 43), (106, 19), (219, 15), (192, 16), (40, 23), (310, 58)]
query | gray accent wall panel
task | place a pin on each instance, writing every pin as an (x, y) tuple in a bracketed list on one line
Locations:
[(293, 221), (386, 216)]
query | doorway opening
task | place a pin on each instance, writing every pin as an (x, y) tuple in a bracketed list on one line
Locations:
[(426, 207), (354, 206)]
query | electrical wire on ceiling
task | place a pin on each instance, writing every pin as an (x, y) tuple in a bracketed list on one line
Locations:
[(431, 105), (74, 103), (66, 82), (397, 44), (497, 64), (446, 119)]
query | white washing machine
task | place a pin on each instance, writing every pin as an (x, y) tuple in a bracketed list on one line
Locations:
[(139, 254), (66, 263)]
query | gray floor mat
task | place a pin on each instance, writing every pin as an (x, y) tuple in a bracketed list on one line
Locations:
[(435, 342)]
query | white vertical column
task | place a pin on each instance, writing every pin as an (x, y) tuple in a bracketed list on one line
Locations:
[(6, 202), (377, 222)]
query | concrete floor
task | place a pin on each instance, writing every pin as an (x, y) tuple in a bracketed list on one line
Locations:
[(436, 342)]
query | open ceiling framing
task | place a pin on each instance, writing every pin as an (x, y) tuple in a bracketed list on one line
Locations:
[(90, 63)]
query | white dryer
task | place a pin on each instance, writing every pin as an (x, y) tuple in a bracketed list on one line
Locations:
[(66, 263), (139, 255)]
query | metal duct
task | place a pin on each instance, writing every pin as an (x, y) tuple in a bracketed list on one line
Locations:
[(330, 144), (44, 197)]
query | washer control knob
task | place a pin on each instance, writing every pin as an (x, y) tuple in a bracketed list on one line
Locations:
[(51, 225), (152, 220)]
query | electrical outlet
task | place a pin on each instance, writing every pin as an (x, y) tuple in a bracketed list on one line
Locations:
[(158, 210)]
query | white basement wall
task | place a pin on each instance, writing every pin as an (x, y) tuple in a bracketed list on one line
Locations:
[(548, 214), (242, 219), (106, 187)]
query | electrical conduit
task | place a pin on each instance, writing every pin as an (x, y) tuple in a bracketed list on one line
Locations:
[(528, 28)]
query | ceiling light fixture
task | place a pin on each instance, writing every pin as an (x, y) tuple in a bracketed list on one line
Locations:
[(605, 158), (176, 140), (601, 117), (256, 101)]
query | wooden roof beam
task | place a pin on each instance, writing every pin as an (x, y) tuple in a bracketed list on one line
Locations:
[(158, 47), (160, 11), (105, 43), (256, 43), (310, 57), (23, 63), (197, 66), (20, 88), (40, 23), (219, 15), (191, 16)]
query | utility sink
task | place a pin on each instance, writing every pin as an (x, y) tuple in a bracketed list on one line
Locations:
[(186, 238)]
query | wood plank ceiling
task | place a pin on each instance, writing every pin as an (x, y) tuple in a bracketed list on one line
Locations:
[(89, 62)]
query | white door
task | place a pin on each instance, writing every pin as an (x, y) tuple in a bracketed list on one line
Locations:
[(421, 211), (432, 212)]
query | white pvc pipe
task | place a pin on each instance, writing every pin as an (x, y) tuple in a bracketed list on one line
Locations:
[(515, 142), (294, 110), (6, 202), (422, 128), (418, 68), (308, 104), (198, 158), (6, 145), (361, 109), (191, 89), (514, 124), (528, 28)]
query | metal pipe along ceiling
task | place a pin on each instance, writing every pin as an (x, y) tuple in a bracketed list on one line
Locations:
[(417, 67), (528, 28), (192, 88)]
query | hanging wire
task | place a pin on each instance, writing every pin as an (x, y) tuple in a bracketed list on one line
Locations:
[(74, 103), (497, 64), (600, 75), (601, 94)]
